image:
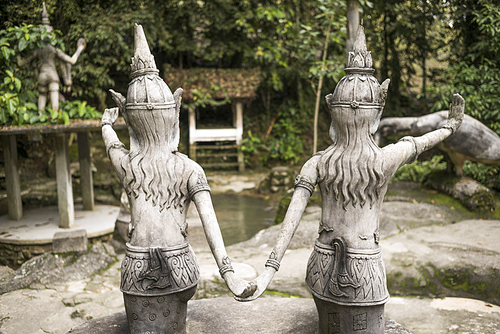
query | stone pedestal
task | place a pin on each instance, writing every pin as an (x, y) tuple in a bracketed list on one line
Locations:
[(227, 316)]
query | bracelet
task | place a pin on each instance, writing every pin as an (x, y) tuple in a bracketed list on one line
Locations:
[(273, 264), (303, 182), (226, 266), (105, 123)]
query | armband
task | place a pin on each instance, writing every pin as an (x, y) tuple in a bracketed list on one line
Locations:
[(199, 186), (115, 144), (417, 151), (226, 266), (301, 181), (272, 262)]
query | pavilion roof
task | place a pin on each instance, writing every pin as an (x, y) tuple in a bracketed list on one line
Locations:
[(217, 83)]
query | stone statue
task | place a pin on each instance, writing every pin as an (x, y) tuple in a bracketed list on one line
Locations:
[(345, 272), (48, 79), (473, 141), (159, 273)]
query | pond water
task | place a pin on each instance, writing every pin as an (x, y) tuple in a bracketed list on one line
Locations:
[(241, 217)]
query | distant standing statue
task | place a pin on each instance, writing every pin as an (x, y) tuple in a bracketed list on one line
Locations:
[(159, 273), (48, 79), (345, 272)]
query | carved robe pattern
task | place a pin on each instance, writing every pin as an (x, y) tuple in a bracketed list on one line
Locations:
[(158, 271), (347, 276)]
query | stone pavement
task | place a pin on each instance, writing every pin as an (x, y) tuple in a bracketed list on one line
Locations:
[(448, 264)]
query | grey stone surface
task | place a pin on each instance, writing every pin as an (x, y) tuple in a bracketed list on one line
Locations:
[(74, 240), (56, 307), (49, 269), (227, 316)]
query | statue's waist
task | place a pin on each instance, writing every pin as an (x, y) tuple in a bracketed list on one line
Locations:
[(156, 271)]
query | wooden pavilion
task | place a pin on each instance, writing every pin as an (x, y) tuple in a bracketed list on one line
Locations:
[(217, 86)]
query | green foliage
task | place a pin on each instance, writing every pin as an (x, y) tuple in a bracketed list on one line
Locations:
[(474, 69), (418, 170)]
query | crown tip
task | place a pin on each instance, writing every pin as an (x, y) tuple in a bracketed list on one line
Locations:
[(360, 57), (45, 15), (142, 59)]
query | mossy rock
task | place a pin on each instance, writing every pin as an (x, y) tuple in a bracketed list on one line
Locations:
[(469, 192)]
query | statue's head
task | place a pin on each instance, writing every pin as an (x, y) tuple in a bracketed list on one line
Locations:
[(45, 19), (153, 113), (358, 95), (352, 168), (151, 109)]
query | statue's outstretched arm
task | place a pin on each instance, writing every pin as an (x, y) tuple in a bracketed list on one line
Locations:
[(81, 44), (114, 147), (239, 287), (304, 188), (409, 148), (23, 61)]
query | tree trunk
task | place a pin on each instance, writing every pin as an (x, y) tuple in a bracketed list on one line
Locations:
[(352, 24), (318, 92)]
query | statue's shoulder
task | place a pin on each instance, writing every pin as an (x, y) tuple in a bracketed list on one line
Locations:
[(310, 169), (192, 170)]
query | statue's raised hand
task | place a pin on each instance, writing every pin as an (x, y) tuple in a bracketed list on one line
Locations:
[(262, 282), (110, 116), (239, 287), (456, 114)]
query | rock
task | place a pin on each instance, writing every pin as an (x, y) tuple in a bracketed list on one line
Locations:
[(50, 268), (70, 241), (227, 316), (471, 193)]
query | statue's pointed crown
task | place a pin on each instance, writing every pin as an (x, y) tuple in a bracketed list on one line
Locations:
[(143, 61), (146, 90), (45, 17), (359, 58), (358, 88)]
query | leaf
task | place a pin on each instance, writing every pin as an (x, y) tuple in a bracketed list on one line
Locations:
[(17, 82), (22, 44), (82, 109), (11, 106), (65, 117)]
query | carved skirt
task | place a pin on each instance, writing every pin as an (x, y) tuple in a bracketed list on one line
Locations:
[(347, 276), (158, 271)]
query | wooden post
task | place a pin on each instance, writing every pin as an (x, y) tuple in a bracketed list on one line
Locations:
[(64, 187), (12, 177), (192, 136), (86, 171), (239, 134)]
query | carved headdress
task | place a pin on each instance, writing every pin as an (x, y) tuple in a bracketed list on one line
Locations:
[(352, 167), (359, 88)]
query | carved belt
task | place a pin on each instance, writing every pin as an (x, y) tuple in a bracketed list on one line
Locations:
[(347, 276), (158, 271)]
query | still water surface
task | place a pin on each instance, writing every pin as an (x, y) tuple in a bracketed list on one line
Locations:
[(241, 217)]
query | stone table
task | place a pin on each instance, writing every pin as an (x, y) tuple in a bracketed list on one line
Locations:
[(63, 175)]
